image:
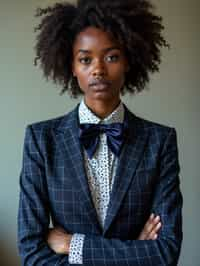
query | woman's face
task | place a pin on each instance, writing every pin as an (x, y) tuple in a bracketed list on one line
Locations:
[(99, 64)]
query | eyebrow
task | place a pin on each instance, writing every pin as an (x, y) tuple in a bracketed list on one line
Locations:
[(104, 50)]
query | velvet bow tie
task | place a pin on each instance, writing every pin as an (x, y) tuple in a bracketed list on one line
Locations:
[(89, 136)]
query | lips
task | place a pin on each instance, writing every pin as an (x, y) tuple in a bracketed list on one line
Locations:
[(100, 85)]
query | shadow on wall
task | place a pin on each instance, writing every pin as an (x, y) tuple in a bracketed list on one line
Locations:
[(8, 255)]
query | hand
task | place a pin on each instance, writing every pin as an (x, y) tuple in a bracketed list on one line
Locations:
[(59, 240), (151, 228)]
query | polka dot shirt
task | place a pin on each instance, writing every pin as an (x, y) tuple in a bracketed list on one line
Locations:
[(100, 170)]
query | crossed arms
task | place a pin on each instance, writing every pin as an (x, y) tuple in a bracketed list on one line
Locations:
[(33, 218)]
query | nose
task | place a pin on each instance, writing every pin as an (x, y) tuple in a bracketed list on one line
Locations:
[(99, 69)]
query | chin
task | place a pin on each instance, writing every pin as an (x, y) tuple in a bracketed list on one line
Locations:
[(102, 96)]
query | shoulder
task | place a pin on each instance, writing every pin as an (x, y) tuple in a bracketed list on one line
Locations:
[(50, 126), (153, 126), (46, 125), (157, 132), (159, 137), (55, 123), (147, 124)]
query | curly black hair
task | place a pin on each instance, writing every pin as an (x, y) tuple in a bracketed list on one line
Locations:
[(132, 22)]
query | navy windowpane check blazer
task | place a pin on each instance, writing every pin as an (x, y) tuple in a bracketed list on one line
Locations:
[(53, 183)]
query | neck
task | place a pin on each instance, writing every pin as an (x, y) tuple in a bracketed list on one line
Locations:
[(101, 108)]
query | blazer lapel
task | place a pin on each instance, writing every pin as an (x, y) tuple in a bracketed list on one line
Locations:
[(129, 159), (68, 141)]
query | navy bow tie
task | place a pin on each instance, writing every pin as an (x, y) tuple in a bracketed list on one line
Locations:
[(89, 136)]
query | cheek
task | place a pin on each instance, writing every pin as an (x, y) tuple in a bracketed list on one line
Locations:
[(118, 75), (81, 78)]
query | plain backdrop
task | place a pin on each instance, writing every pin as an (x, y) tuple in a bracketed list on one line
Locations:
[(26, 97)]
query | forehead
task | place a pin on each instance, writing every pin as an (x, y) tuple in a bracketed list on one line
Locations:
[(94, 38)]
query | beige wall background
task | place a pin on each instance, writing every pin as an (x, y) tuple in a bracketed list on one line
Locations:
[(173, 99)]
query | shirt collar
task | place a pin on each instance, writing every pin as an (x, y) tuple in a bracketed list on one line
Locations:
[(87, 116)]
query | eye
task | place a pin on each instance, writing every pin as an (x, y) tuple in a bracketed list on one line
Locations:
[(85, 60), (112, 58)]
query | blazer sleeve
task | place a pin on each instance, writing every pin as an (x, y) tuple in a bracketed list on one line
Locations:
[(33, 212), (167, 203)]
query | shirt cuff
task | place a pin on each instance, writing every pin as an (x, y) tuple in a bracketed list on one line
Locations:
[(75, 255)]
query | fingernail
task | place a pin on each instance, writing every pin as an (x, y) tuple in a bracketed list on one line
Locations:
[(155, 237), (152, 216), (159, 224)]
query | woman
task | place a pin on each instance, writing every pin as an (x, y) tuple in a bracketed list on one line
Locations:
[(107, 178)]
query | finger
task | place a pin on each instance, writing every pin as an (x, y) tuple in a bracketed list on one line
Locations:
[(154, 233), (154, 237), (149, 227), (145, 231), (151, 224)]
